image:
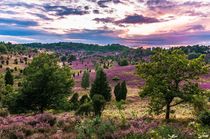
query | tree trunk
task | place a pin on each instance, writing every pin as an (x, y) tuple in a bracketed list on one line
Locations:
[(167, 118)]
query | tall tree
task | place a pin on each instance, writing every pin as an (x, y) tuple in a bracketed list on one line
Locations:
[(101, 86), (9, 78), (170, 79), (46, 84), (117, 90), (85, 80), (120, 91), (124, 90)]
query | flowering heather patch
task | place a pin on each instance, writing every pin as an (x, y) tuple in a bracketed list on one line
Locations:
[(205, 85), (136, 126), (126, 73), (79, 65), (39, 126)]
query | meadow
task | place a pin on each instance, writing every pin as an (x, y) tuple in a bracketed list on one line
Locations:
[(129, 119)]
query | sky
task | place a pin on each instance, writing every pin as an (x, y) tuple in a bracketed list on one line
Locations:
[(129, 22)]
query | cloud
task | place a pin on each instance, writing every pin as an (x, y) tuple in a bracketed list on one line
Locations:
[(130, 19), (17, 22), (105, 20), (96, 36), (19, 31), (137, 19), (64, 10), (160, 4)]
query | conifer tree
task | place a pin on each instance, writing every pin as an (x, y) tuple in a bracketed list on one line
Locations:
[(85, 80), (101, 86), (8, 78)]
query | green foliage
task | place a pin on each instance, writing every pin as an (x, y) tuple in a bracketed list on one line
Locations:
[(98, 102), (95, 128), (120, 107), (101, 86), (71, 58), (124, 90), (2, 90), (204, 117), (45, 84), (170, 79), (9, 78), (85, 109), (167, 132), (74, 102), (85, 80), (79, 47), (120, 91), (117, 92), (200, 131), (3, 48), (123, 62), (84, 99)]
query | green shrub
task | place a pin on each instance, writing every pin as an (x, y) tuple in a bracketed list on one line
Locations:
[(84, 99), (98, 104), (95, 128), (74, 102), (167, 132), (85, 109), (123, 62), (204, 117)]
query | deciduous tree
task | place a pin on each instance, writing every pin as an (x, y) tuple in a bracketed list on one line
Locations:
[(170, 79)]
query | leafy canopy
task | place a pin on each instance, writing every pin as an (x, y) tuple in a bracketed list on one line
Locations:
[(170, 79), (46, 84)]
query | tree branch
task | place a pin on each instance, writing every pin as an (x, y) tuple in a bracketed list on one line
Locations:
[(177, 103)]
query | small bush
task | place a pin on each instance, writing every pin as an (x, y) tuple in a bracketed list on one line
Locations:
[(123, 62), (204, 118), (95, 128), (74, 102), (85, 109), (167, 132), (98, 104)]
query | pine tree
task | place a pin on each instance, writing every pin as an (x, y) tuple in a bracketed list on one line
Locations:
[(8, 78), (117, 91), (85, 80), (120, 91), (101, 86), (123, 90)]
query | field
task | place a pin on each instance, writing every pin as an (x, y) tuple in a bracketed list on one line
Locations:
[(130, 119)]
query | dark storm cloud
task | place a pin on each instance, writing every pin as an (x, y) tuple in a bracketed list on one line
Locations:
[(64, 10), (9, 21)]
